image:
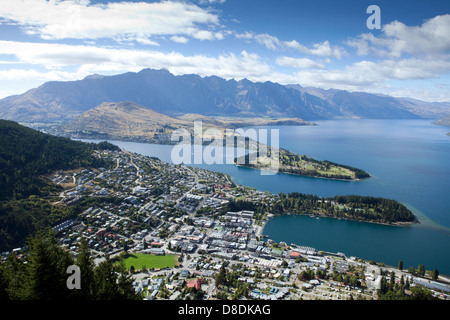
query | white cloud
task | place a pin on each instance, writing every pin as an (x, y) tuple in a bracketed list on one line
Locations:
[(299, 63), (431, 38), (374, 77), (179, 39), (323, 49), (91, 59), (268, 40), (246, 36), (147, 41), (211, 1), (57, 20), (24, 74), (207, 35)]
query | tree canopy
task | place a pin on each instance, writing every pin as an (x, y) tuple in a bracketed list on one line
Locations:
[(41, 274)]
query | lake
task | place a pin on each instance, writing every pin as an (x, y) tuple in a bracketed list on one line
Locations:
[(408, 161)]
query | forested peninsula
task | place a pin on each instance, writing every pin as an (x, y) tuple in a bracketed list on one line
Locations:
[(292, 163), (351, 207)]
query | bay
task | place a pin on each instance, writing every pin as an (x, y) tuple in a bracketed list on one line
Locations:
[(408, 161)]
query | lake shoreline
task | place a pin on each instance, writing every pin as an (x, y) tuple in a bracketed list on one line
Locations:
[(394, 224), (204, 143), (302, 175), (408, 161), (398, 224)]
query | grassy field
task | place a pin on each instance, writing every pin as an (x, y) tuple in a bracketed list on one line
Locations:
[(139, 260)]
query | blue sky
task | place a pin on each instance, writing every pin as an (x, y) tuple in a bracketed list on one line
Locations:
[(321, 43)]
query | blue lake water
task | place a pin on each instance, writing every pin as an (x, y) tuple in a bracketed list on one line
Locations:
[(409, 162)]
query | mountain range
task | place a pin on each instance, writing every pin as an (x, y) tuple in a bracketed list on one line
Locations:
[(165, 93)]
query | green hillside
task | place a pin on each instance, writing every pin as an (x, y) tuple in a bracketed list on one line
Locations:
[(26, 155)]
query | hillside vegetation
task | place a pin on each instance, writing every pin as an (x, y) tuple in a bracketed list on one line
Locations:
[(303, 165), (25, 156)]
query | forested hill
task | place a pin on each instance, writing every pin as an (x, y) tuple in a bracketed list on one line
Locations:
[(26, 154), (352, 207)]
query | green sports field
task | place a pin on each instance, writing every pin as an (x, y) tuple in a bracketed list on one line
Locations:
[(139, 260)]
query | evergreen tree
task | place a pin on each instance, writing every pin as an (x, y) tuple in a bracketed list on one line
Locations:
[(14, 274), (411, 270), (4, 284), (86, 264), (435, 274), (45, 276), (383, 286), (421, 270), (407, 284), (392, 280), (42, 274), (105, 280), (125, 289), (221, 276)]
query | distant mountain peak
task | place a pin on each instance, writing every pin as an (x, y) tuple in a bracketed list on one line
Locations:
[(160, 90), (94, 76), (163, 71)]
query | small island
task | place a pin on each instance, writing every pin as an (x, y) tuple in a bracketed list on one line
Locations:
[(292, 163)]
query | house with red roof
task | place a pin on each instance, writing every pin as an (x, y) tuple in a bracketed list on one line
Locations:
[(195, 283)]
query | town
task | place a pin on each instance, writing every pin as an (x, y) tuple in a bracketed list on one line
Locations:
[(177, 215)]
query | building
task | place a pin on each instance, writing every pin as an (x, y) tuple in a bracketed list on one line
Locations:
[(156, 251), (196, 283), (139, 190)]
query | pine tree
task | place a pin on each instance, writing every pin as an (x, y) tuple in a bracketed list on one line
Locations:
[(45, 276), (421, 269), (221, 277), (4, 284), (383, 285), (105, 280), (13, 273), (42, 274), (435, 274), (125, 289), (86, 264), (392, 280)]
